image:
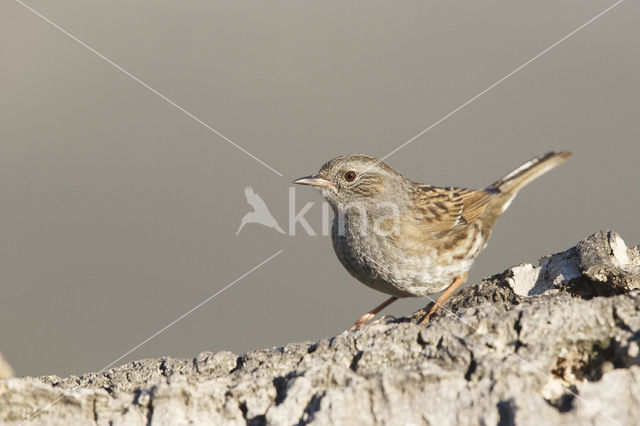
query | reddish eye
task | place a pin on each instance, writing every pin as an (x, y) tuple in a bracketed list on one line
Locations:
[(349, 176)]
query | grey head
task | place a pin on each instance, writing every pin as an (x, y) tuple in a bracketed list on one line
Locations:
[(358, 179)]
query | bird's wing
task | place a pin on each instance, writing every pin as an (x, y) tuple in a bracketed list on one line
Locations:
[(254, 199), (438, 215), (442, 211)]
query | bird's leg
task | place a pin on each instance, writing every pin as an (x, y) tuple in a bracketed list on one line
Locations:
[(372, 313), (439, 303)]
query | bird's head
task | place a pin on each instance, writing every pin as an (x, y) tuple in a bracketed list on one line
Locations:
[(356, 179)]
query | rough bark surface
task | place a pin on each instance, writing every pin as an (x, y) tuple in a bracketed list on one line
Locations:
[(557, 343)]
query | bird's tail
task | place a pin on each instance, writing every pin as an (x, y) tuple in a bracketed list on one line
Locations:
[(532, 169)]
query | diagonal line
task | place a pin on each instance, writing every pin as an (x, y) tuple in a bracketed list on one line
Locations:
[(513, 354), (142, 83), (190, 311), (502, 79)]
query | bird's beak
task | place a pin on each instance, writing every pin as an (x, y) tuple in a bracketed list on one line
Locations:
[(314, 180)]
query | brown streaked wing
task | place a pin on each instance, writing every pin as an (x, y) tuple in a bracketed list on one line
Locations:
[(448, 210)]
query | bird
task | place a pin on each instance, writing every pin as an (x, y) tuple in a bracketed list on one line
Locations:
[(408, 239), (260, 213)]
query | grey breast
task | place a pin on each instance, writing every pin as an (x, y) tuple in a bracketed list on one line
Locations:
[(368, 256)]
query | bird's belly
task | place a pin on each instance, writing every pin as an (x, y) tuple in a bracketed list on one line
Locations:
[(378, 264)]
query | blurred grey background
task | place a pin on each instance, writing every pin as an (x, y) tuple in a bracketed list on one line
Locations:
[(118, 212)]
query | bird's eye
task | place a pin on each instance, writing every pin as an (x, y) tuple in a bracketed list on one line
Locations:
[(349, 176)]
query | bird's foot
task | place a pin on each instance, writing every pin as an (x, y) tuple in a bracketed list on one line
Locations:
[(362, 321), (432, 312), (439, 302), (383, 320), (372, 313)]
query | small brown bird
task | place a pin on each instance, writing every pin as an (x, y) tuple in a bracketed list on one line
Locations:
[(408, 239)]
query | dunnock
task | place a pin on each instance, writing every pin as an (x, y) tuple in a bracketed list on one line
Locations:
[(408, 239)]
